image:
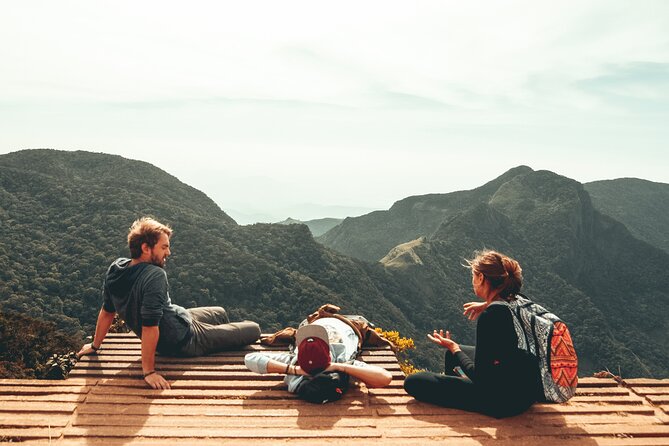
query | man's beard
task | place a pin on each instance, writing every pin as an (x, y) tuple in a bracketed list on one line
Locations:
[(158, 261)]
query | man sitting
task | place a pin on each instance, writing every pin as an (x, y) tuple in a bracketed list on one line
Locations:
[(137, 289)]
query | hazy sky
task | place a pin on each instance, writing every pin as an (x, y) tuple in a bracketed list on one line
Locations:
[(313, 109)]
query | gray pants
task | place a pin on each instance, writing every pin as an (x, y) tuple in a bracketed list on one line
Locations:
[(213, 332)]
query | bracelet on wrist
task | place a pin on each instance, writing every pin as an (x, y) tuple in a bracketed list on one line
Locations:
[(286, 371), (95, 349), (149, 373)]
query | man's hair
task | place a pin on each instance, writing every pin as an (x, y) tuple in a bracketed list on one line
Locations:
[(145, 230)]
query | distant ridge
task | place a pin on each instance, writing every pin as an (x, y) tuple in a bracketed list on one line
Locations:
[(64, 217), (317, 226), (641, 205), (141, 180), (370, 237), (582, 264)]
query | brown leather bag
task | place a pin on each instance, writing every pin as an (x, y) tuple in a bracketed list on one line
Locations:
[(367, 336)]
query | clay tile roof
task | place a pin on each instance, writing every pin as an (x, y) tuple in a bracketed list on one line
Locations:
[(215, 400)]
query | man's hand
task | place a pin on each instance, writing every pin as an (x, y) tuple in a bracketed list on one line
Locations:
[(105, 319), (298, 370), (87, 349), (474, 309), (371, 375), (150, 337), (156, 381), (444, 340), (333, 367)]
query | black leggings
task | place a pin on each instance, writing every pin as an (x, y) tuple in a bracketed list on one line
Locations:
[(451, 390), (451, 362)]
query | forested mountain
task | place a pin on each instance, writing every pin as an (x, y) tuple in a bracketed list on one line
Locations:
[(370, 237), (317, 226), (642, 206), (64, 217), (586, 266), (26, 345)]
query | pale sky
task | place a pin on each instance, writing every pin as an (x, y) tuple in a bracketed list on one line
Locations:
[(316, 109)]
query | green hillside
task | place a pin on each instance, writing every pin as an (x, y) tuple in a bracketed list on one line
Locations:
[(318, 226), (370, 237), (584, 265), (65, 216), (642, 206)]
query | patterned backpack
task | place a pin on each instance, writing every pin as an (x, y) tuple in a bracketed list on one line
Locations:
[(545, 336)]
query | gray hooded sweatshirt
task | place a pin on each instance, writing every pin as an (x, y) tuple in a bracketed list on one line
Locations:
[(140, 295)]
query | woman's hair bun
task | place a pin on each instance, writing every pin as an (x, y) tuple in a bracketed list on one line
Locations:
[(515, 276), (503, 272)]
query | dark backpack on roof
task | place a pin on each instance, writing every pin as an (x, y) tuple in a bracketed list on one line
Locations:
[(323, 387)]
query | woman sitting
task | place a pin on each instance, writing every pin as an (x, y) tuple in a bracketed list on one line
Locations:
[(496, 377)]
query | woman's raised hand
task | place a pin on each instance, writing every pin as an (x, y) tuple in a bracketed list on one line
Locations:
[(444, 340), (474, 309)]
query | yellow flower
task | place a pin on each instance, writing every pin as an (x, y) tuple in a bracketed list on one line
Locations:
[(403, 344)]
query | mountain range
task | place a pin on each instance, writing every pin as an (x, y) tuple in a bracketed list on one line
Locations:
[(64, 217), (642, 206), (578, 261), (317, 226)]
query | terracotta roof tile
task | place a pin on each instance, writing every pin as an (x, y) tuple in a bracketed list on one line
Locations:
[(215, 398)]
